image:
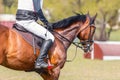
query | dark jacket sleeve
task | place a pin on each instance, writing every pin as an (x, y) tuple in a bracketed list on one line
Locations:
[(42, 17), (38, 8)]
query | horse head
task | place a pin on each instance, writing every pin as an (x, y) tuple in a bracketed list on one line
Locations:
[(81, 26), (86, 32)]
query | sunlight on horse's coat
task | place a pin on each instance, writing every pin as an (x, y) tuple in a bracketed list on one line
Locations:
[(17, 54)]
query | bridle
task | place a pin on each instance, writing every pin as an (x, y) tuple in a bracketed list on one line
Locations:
[(77, 44), (90, 40)]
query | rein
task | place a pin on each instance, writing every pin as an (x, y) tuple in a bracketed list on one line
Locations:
[(77, 44), (74, 43)]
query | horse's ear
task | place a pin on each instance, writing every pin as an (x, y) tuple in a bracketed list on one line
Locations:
[(93, 18), (88, 14), (75, 13)]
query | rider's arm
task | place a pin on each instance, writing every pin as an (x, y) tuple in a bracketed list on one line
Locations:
[(38, 8)]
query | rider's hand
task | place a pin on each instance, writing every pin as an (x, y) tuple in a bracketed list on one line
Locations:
[(49, 26)]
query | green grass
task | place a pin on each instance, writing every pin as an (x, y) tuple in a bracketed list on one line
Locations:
[(79, 69), (115, 35), (85, 69), (9, 74)]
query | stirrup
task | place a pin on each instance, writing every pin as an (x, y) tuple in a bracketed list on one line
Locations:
[(49, 66), (39, 65)]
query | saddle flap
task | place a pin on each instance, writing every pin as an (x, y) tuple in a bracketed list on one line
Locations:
[(30, 38)]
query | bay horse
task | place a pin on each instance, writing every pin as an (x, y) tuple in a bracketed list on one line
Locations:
[(16, 53)]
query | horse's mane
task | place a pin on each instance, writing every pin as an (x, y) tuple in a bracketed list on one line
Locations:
[(69, 21)]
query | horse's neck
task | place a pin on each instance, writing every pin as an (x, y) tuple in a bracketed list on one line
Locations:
[(69, 34)]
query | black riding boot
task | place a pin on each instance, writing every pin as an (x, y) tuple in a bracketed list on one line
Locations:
[(40, 63)]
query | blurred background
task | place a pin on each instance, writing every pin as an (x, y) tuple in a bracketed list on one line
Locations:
[(108, 29), (107, 22)]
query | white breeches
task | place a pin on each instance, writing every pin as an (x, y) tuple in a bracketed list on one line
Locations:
[(36, 29)]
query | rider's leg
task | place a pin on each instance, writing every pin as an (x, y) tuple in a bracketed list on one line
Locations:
[(40, 31), (40, 63)]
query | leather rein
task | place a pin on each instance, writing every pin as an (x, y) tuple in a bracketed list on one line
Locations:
[(77, 44)]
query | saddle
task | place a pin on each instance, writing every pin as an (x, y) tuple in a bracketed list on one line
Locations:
[(31, 38)]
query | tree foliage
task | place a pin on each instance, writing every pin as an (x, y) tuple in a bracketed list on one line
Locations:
[(59, 9), (63, 8), (8, 3)]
